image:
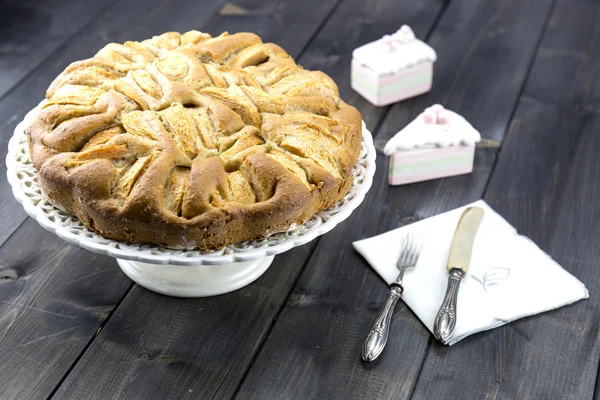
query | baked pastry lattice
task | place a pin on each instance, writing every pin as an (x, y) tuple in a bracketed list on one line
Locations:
[(185, 140)]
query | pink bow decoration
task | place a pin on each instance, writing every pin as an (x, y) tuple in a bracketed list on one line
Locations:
[(401, 37), (387, 43), (405, 33), (436, 114)]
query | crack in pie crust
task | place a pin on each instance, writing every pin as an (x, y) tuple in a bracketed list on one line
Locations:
[(185, 140)]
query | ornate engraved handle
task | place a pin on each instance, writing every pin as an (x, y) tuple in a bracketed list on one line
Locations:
[(378, 334), (446, 317)]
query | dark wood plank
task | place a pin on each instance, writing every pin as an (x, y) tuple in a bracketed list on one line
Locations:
[(227, 330), (546, 185), (53, 299), (158, 347), (119, 23), (32, 30), (338, 295), (290, 24), (199, 348), (331, 50)]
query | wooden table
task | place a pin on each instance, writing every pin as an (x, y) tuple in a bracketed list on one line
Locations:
[(524, 72)]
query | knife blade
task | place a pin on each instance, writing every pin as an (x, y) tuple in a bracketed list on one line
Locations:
[(457, 266)]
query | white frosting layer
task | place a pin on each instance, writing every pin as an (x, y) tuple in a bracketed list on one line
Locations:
[(453, 130), (391, 54)]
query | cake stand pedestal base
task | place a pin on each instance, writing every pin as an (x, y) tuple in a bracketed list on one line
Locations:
[(195, 280)]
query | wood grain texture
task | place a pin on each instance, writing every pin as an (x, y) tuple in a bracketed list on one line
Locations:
[(54, 296), (161, 347), (32, 30), (546, 184), (119, 23), (53, 299), (356, 23), (338, 295), (290, 24), (199, 348)]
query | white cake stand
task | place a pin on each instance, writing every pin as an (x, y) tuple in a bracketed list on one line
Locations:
[(189, 272)]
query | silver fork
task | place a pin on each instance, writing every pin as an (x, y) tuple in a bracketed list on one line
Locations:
[(378, 335)]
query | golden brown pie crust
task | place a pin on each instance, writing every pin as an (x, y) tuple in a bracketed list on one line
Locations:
[(186, 140)]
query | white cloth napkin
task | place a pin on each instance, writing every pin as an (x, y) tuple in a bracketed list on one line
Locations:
[(509, 276)]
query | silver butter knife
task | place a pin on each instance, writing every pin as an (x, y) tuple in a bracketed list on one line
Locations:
[(458, 264), (378, 335)]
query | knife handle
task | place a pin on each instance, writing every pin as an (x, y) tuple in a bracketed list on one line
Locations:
[(446, 318), (380, 329)]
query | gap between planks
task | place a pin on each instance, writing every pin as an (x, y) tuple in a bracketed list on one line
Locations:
[(518, 97), (313, 245), (510, 112), (376, 129), (89, 343), (58, 48), (497, 155)]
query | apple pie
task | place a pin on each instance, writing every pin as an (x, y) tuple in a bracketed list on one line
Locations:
[(185, 140)]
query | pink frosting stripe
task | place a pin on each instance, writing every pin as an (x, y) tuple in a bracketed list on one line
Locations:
[(372, 83), (407, 73), (442, 173), (431, 164), (423, 155), (403, 94), (411, 91)]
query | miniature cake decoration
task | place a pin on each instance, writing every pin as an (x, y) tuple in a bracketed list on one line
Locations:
[(393, 68), (438, 143), (434, 127)]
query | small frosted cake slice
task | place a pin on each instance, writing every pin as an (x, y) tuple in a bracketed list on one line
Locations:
[(438, 143), (393, 68)]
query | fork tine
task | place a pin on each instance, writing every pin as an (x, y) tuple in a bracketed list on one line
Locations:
[(415, 250), (415, 253), (420, 239), (413, 244), (410, 247), (405, 248)]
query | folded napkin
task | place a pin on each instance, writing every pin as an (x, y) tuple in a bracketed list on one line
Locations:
[(509, 276)]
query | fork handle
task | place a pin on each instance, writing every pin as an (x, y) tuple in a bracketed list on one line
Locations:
[(378, 335)]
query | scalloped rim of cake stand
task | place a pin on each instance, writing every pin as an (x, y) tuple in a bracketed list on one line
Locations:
[(319, 224)]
